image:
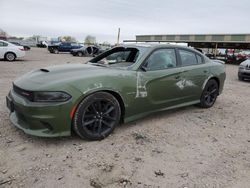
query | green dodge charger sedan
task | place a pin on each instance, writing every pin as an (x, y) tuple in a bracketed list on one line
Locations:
[(120, 85)]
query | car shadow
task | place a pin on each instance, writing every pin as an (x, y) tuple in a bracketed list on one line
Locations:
[(17, 60)]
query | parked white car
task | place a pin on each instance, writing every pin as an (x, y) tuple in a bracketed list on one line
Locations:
[(10, 51)]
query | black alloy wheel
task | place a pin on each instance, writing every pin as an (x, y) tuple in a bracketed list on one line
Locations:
[(97, 116), (209, 94)]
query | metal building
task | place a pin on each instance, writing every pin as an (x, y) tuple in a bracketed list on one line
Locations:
[(226, 41)]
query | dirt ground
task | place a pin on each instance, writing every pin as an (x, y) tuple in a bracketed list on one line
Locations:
[(188, 147)]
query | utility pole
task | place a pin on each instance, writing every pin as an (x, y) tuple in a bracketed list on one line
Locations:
[(118, 37)]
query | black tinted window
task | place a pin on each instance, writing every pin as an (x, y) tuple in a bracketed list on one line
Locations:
[(187, 58), (161, 59)]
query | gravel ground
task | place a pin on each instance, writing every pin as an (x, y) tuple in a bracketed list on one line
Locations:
[(187, 147)]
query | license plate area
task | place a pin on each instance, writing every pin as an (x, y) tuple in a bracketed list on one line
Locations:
[(10, 104)]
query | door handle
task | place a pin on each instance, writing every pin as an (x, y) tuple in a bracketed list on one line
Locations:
[(205, 71)]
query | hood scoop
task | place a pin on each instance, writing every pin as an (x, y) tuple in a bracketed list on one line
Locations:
[(44, 70)]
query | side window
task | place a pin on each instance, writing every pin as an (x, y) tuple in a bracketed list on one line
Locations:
[(161, 59), (187, 58), (3, 44), (199, 59)]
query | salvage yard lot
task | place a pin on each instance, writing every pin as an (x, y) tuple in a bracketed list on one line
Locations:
[(187, 147)]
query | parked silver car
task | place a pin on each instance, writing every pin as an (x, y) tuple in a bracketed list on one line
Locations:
[(244, 70)]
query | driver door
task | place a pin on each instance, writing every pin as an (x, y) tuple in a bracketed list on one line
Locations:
[(160, 81)]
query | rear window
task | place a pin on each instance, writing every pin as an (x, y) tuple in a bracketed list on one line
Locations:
[(188, 58)]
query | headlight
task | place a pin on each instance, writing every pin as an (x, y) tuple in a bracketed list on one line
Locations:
[(51, 96), (241, 67)]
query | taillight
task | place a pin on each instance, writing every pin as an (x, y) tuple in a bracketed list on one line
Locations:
[(21, 49)]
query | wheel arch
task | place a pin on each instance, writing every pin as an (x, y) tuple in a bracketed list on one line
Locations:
[(116, 94), (210, 78), (10, 52)]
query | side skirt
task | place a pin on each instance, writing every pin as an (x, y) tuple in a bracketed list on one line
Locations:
[(141, 115)]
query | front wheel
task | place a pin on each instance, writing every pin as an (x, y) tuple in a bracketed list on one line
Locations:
[(241, 78), (97, 116), (10, 56), (209, 94)]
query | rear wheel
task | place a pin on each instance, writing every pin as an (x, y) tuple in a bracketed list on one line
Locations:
[(80, 54), (97, 116), (56, 51), (209, 94), (9, 56)]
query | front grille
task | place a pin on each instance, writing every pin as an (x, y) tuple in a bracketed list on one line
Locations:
[(246, 74), (24, 93)]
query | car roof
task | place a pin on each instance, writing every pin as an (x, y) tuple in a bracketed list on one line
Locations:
[(156, 46), (150, 45)]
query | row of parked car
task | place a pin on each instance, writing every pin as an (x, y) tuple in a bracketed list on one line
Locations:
[(12, 50)]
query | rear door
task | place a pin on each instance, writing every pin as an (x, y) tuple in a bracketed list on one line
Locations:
[(195, 73)]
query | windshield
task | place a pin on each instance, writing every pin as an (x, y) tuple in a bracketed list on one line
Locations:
[(117, 57)]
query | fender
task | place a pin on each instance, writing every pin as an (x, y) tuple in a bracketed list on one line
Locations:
[(205, 82)]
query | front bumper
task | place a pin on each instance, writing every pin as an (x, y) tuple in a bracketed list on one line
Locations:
[(20, 54), (43, 120), (244, 73)]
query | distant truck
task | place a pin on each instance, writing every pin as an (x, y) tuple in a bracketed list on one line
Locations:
[(63, 47)]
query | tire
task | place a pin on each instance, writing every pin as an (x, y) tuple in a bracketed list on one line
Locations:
[(80, 54), (241, 78), (209, 94), (55, 51), (10, 56), (97, 116)]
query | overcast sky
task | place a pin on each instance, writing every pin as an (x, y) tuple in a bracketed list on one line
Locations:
[(102, 18)]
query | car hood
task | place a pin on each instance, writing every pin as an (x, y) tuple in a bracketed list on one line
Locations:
[(60, 74), (245, 63)]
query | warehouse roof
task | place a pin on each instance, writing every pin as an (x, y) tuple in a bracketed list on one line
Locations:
[(237, 41)]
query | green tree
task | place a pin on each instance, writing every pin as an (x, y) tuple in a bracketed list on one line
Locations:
[(67, 39), (90, 40)]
